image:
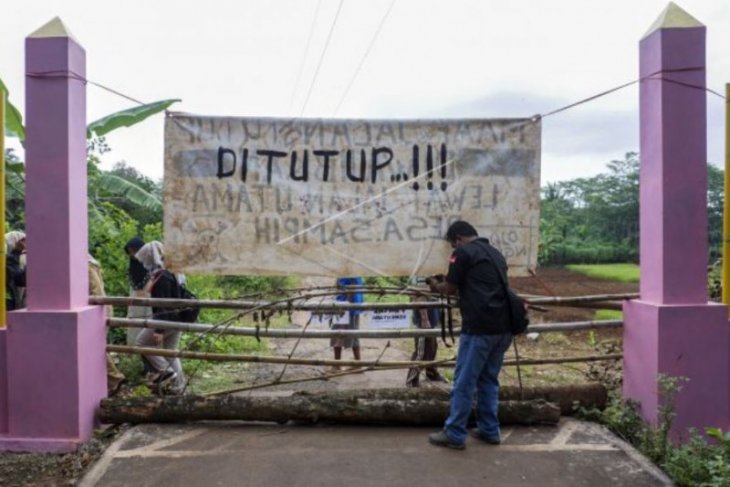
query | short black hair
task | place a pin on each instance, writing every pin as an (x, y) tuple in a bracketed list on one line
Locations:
[(460, 229)]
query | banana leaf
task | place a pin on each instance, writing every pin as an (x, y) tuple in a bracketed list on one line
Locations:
[(126, 118), (121, 187), (13, 119)]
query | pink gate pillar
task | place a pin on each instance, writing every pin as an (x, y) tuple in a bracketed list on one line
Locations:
[(54, 364), (672, 329)]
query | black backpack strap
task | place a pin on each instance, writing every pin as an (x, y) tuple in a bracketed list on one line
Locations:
[(450, 319), (502, 277), (500, 272)]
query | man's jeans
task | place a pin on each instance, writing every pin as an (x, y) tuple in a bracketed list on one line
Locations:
[(477, 367)]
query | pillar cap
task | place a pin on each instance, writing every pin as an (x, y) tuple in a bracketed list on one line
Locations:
[(54, 28), (673, 17)]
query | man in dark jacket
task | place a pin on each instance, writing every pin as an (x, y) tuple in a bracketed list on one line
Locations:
[(484, 337)]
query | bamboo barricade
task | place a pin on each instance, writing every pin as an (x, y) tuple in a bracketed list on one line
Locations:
[(300, 303), (263, 332), (374, 364)]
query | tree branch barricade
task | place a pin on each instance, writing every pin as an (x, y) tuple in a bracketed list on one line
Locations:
[(302, 300)]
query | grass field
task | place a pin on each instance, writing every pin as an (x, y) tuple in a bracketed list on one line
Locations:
[(613, 272), (609, 314)]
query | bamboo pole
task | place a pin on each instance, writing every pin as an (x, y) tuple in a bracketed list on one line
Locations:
[(559, 300), (266, 359), (726, 206), (3, 310), (290, 305), (299, 333), (332, 307)]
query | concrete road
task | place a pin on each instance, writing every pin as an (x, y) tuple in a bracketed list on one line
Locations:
[(249, 454)]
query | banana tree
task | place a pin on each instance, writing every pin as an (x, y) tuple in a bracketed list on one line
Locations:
[(95, 131)]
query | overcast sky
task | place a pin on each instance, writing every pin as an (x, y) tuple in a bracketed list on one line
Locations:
[(431, 59)]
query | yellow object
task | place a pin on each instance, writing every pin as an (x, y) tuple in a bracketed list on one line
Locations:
[(726, 207), (3, 311)]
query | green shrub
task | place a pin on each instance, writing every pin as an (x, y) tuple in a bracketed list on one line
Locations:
[(587, 253), (695, 463), (624, 272)]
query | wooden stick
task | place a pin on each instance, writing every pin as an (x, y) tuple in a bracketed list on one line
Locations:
[(289, 304), (296, 333), (223, 357), (547, 300)]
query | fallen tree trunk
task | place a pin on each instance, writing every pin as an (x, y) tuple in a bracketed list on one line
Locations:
[(567, 397), (310, 409)]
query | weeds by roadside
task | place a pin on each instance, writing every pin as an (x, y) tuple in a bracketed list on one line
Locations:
[(696, 463)]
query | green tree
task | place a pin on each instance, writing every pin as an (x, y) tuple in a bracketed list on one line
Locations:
[(597, 219), (115, 198), (715, 202)]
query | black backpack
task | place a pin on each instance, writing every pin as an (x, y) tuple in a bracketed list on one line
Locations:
[(518, 319), (188, 314)]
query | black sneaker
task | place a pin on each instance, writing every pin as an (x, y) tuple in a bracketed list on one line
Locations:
[(164, 378), (440, 439), (491, 440)]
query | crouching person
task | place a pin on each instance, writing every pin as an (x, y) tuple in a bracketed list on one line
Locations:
[(166, 375)]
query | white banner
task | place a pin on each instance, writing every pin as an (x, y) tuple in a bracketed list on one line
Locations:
[(345, 197), (388, 319)]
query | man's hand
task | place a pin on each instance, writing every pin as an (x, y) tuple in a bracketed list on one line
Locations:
[(439, 284), (434, 281)]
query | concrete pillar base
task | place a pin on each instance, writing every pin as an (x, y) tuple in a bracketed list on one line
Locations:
[(45, 445), (59, 377), (689, 341)]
